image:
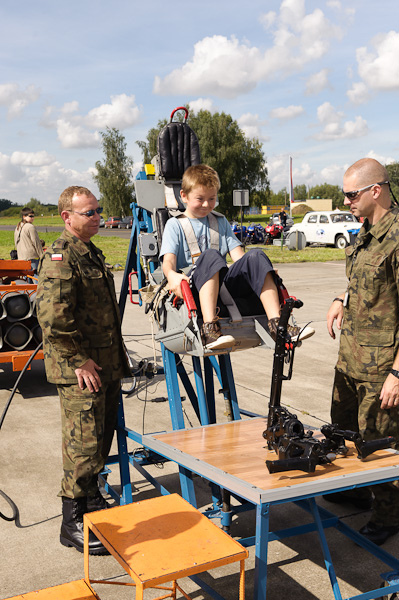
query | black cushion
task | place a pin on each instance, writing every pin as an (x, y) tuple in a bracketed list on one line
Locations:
[(178, 149)]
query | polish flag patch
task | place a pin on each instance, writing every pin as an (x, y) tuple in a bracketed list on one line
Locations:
[(56, 257)]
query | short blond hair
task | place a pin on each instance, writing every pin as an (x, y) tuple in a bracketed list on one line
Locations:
[(65, 200), (200, 175)]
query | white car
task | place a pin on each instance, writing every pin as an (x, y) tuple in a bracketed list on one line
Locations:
[(331, 227)]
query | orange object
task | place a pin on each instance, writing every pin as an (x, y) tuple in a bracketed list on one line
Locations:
[(161, 540), (75, 590)]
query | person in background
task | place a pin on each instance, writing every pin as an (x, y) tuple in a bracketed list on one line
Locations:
[(26, 239), (366, 385), (283, 218)]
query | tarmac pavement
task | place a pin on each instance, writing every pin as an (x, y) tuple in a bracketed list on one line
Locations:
[(31, 556)]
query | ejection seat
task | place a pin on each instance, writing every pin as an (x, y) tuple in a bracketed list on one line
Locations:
[(178, 322)]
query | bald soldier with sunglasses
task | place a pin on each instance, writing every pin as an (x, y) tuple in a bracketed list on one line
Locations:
[(366, 385), (84, 356)]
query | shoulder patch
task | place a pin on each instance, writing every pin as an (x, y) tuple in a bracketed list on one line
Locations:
[(59, 244)]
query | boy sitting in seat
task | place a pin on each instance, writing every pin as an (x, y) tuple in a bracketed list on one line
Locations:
[(251, 277)]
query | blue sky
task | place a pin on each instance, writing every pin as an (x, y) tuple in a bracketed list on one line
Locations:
[(315, 80)]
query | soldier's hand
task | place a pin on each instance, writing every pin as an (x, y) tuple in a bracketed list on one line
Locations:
[(336, 312), (88, 376), (390, 392)]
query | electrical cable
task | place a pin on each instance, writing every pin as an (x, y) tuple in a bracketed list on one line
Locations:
[(15, 512)]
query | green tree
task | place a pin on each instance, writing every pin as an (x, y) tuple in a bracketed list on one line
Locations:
[(4, 204), (114, 176), (393, 172), (34, 203), (300, 192), (326, 190), (239, 160)]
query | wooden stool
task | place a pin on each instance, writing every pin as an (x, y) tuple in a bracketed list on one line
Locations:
[(75, 590), (160, 540)]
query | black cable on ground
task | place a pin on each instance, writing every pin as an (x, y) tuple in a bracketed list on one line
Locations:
[(15, 512)]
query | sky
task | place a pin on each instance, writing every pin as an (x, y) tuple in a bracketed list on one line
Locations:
[(318, 81)]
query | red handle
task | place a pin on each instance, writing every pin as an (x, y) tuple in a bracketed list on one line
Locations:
[(188, 297), (179, 108)]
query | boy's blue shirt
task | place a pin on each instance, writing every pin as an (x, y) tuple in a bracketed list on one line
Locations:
[(174, 240)]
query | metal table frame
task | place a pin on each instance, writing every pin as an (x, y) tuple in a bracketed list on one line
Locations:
[(303, 494)]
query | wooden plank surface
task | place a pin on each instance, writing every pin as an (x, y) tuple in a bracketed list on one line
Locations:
[(163, 538), (239, 449)]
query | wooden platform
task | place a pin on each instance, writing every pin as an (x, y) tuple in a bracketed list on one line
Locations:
[(75, 590), (237, 450), (161, 540)]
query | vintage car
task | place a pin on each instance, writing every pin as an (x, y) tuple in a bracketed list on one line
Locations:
[(112, 222), (331, 227)]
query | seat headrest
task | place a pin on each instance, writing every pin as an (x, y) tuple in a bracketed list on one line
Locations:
[(178, 149)]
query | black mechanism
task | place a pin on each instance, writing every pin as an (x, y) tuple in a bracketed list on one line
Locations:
[(285, 434)]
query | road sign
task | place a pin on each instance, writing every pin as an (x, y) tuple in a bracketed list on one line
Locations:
[(240, 197)]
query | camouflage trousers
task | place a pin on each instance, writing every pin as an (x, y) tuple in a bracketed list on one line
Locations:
[(356, 406), (88, 424)]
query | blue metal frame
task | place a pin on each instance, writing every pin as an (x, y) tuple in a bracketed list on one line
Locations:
[(321, 520)]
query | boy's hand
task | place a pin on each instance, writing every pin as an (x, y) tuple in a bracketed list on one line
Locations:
[(174, 281)]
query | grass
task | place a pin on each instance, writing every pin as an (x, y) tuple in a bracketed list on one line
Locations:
[(115, 249)]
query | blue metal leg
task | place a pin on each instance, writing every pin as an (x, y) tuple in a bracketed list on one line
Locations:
[(228, 384), (325, 549), (124, 471), (261, 544), (199, 384), (210, 389), (172, 385)]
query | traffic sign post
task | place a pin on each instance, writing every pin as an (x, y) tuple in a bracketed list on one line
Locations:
[(241, 198)]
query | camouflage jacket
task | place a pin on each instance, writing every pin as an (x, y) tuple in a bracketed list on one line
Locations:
[(78, 312), (370, 330)]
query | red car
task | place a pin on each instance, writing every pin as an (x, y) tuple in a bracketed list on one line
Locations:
[(112, 222)]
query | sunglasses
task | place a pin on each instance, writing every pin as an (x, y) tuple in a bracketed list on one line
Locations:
[(31, 216), (355, 193), (90, 213)]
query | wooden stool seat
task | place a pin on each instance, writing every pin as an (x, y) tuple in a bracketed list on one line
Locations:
[(75, 590), (161, 540)]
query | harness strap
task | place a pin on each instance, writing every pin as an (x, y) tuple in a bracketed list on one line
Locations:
[(190, 236)]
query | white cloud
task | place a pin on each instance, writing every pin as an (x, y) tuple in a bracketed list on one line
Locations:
[(76, 136), (16, 99), (334, 4), (202, 104), (267, 19), (317, 82), (31, 159), (121, 113), (226, 68), (251, 125), (334, 126), (287, 112), (75, 130), (24, 174), (359, 94), (8, 171), (278, 170), (380, 68), (333, 174), (384, 160)]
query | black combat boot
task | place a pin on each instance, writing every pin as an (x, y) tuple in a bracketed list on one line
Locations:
[(71, 535), (96, 502)]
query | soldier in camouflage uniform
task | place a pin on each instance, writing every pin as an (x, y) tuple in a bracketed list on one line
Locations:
[(84, 356), (366, 385)]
